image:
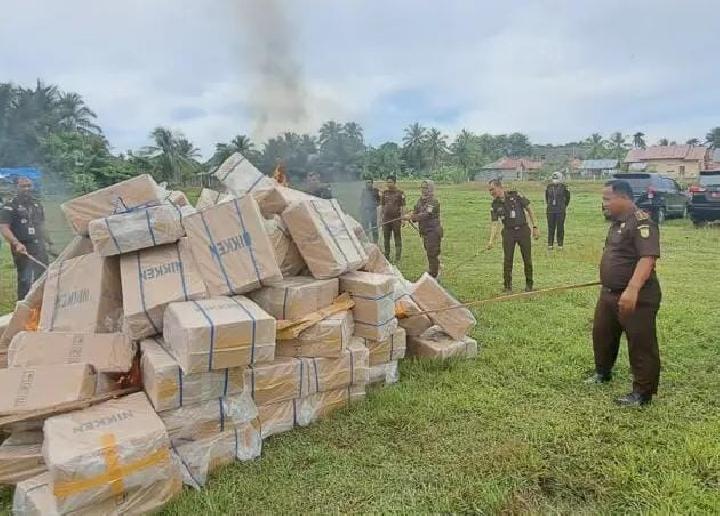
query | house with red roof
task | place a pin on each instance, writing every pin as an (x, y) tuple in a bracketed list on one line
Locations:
[(681, 162), (510, 169)]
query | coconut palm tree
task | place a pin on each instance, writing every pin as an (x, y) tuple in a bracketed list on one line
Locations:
[(436, 145), (414, 146), (75, 116), (619, 145), (242, 144), (465, 150)]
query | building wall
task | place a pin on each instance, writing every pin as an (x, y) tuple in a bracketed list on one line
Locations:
[(676, 168)]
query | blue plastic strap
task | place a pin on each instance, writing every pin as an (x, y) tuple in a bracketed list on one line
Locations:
[(180, 385), (225, 388), (374, 325), (300, 360), (284, 308), (150, 229), (329, 232), (252, 382), (252, 186), (236, 165), (247, 239), (236, 443), (222, 415), (182, 272), (372, 298), (57, 297), (317, 380), (392, 345), (352, 368), (185, 464), (254, 328), (212, 334), (294, 404), (115, 240), (216, 254), (142, 295)]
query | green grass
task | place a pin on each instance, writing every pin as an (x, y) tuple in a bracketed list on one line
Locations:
[(515, 430)]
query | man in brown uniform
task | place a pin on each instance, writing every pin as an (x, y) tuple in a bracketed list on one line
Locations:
[(513, 211), (630, 296), (427, 215), (392, 203)]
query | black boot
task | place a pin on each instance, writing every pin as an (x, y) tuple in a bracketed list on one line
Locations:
[(598, 379), (529, 287), (634, 399)]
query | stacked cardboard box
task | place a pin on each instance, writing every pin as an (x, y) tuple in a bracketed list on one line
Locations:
[(374, 310)]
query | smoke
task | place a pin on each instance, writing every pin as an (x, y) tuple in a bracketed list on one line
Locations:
[(277, 99)]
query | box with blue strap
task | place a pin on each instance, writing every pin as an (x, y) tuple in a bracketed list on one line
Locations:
[(435, 343), (327, 338), (374, 310), (292, 298), (218, 333), (383, 351)]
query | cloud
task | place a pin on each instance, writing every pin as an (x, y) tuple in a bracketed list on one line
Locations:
[(557, 70)]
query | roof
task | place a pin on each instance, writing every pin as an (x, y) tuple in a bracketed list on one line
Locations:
[(598, 164), (515, 164), (682, 152)]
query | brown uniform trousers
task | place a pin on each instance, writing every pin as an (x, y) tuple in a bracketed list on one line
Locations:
[(511, 236), (432, 241), (393, 229), (639, 328)]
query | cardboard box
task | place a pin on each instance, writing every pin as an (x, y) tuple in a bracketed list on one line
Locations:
[(218, 333), (30, 388), (376, 261), (287, 254), (283, 379), (83, 295), (23, 318), (106, 352), (328, 338), (232, 250), (208, 418), (169, 388), (140, 229), (276, 418), (209, 198), (322, 404), (325, 242), (20, 461), (409, 314), (152, 279), (120, 197), (105, 451), (385, 374), (429, 295), (293, 298), (328, 374), (241, 178), (202, 456), (374, 310), (435, 343), (275, 201), (386, 350), (34, 497)]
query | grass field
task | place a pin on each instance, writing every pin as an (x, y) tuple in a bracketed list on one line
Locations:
[(515, 430)]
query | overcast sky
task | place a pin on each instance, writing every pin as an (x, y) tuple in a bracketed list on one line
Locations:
[(556, 70)]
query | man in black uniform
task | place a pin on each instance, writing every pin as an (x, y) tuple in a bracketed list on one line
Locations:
[(317, 188), (369, 202), (512, 210), (630, 296), (557, 199), (22, 223)]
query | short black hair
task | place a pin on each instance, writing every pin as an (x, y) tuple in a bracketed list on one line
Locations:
[(620, 187), (495, 182), (392, 177)]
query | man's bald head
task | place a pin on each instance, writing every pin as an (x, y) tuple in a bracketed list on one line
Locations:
[(24, 185)]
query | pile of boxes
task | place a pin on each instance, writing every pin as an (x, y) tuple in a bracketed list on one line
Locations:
[(187, 302)]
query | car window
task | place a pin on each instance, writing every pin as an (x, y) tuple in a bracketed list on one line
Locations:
[(710, 179)]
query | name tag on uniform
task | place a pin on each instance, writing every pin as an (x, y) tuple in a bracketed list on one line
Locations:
[(31, 231), (554, 202), (512, 214)]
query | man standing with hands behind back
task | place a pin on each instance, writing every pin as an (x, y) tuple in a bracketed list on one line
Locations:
[(512, 210), (557, 199), (392, 203), (630, 296)]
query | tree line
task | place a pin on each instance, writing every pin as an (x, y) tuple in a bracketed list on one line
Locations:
[(56, 131)]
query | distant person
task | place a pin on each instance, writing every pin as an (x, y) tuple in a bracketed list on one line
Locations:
[(392, 202), (22, 223), (512, 211), (630, 296), (557, 199), (317, 188), (369, 202), (427, 214)]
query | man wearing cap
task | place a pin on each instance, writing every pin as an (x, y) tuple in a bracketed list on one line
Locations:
[(22, 223), (557, 199)]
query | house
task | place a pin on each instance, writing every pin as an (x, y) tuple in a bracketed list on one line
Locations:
[(713, 160), (510, 169), (680, 162), (597, 168)]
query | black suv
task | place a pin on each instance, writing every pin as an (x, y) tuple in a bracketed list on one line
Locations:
[(658, 195), (705, 200)]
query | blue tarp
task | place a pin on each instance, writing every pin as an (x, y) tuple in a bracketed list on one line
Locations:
[(11, 173)]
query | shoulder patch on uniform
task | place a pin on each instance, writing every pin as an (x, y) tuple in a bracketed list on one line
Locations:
[(641, 215), (644, 231)]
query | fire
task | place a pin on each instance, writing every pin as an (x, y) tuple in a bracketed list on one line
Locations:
[(33, 320), (280, 175)]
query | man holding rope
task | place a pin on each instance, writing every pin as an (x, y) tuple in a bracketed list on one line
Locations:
[(22, 223)]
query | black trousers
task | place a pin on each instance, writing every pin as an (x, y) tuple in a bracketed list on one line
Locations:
[(27, 270), (511, 237), (393, 229), (556, 224), (640, 330), (369, 223)]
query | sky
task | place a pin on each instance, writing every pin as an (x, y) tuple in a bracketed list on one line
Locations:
[(554, 70)]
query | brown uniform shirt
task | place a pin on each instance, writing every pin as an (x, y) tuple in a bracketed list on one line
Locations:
[(392, 202), (629, 239), (510, 210), (427, 215)]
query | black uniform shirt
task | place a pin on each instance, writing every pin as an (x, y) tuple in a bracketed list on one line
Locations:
[(629, 239), (557, 197), (370, 199), (510, 210), (25, 217)]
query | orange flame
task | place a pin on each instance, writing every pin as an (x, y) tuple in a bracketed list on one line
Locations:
[(33, 320)]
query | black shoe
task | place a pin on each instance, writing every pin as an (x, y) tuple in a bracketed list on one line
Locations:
[(598, 379), (529, 287), (507, 290), (634, 399)]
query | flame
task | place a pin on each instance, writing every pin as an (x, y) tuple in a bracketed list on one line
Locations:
[(33, 320), (280, 176)]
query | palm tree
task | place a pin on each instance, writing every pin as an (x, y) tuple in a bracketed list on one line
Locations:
[(354, 131), (617, 140), (638, 141), (663, 142), (242, 144), (598, 146), (713, 138), (464, 150), (75, 116), (414, 146), (437, 146), (330, 133)]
